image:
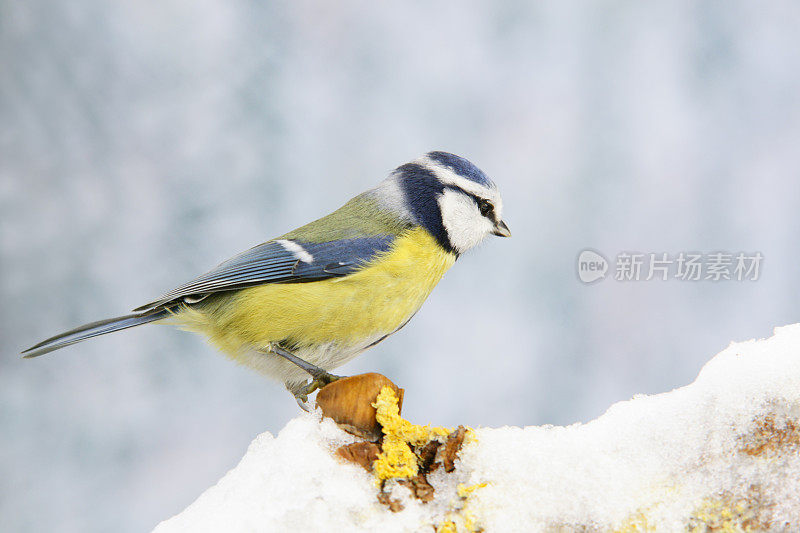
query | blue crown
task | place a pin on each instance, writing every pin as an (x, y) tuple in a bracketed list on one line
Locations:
[(462, 167)]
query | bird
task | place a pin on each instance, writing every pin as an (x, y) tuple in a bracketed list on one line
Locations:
[(300, 305)]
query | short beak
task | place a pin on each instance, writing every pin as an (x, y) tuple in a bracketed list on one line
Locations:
[(501, 230)]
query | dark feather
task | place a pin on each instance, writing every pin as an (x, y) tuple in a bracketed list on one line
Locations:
[(271, 262), (94, 329)]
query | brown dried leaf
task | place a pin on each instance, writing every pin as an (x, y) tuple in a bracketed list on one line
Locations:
[(348, 401), (362, 453), (420, 488), (427, 457), (451, 448), (394, 505)]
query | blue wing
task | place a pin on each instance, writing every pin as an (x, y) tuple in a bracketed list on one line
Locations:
[(280, 261)]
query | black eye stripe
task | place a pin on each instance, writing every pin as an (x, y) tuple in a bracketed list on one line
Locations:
[(477, 199)]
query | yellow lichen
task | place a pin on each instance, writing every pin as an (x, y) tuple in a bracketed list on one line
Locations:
[(470, 522), (728, 513), (461, 513), (388, 416), (464, 491), (447, 526), (397, 460)]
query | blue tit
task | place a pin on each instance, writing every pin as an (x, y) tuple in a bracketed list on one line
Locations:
[(312, 299)]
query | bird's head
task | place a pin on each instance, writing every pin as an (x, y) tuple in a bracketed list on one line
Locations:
[(448, 196)]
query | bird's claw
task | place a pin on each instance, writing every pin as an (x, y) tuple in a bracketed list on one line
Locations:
[(319, 381), (302, 392), (302, 401)]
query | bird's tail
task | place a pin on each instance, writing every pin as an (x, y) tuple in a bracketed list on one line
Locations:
[(87, 331)]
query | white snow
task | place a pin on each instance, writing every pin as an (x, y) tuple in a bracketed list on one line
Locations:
[(724, 450)]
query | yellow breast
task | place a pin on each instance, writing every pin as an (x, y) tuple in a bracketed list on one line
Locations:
[(370, 303)]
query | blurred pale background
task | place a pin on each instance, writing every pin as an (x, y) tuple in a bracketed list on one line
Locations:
[(143, 142)]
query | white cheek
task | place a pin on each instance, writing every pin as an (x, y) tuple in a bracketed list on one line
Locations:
[(464, 224)]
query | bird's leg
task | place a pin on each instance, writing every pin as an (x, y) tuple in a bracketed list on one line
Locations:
[(319, 377)]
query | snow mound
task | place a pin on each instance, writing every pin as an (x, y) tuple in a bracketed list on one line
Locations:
[(720, 454)]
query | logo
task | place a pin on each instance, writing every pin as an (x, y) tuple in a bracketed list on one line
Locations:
[(663, 266), (591, 266)]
